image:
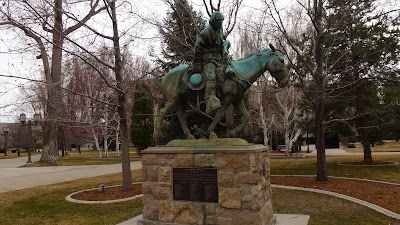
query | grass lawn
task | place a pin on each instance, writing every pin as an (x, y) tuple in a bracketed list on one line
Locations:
[(325, 209), (93, 153), (388, 146), (46, 205), (78, 160), (307, 166)]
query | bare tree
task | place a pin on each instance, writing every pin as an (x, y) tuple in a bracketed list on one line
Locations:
[(289, 115), (42, 22), (121, 98), (315, 10)]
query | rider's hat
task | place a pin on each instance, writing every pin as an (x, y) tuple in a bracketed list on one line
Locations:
[(196, 81), (216, 16)]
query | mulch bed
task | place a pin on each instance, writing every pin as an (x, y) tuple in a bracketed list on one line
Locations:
[(110, 193), (384, 195)]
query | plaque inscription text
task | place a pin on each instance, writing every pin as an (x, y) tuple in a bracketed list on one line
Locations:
[(195, 184)]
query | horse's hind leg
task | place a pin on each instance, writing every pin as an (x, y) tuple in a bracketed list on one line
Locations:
[(241, 108), (163, 112), (182, 119)]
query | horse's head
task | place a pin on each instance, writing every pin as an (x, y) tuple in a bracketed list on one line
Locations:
[(276, 67)]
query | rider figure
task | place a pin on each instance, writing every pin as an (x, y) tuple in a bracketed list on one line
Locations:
[(209, 53)]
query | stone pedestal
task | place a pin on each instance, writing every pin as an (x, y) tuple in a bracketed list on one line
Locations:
[(244, 193)]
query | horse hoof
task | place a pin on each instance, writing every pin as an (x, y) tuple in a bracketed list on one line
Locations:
[(190, 137), (213, 136)]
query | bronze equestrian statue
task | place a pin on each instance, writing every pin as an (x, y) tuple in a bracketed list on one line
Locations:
[(178, 84)]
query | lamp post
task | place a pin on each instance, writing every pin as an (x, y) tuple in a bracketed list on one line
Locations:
[(29, 123), (5, 130)]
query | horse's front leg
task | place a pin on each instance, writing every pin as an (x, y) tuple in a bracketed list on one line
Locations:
[(218, 116), (182, 120), (241, 108)]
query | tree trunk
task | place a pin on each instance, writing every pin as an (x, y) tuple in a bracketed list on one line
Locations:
[(362, 124), (126, 164), (51, 128), (322, 174), (365, 140), (61, 141), (274, 139), (50, 152), (367, 148), (117, 141), (288, 143)]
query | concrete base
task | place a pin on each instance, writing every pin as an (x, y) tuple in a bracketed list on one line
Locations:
[(281, 219), (291, 219), (29, 164)]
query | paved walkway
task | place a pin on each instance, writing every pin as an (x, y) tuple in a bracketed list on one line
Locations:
[(332, 151), (13, 178), (340, 151), (281, 219)]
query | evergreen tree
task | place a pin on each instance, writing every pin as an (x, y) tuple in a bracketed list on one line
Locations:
[(362, 46), (179, 32), (142, 118), (391, 98)]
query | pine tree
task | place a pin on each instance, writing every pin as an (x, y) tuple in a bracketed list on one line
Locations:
[(179, 32), (362, 45)]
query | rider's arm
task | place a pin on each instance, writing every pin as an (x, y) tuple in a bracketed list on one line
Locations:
[(198, 53)]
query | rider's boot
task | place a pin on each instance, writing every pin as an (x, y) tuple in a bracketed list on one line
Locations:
[(212, 102)]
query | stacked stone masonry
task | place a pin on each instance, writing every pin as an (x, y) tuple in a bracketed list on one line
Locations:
[(244, 193)]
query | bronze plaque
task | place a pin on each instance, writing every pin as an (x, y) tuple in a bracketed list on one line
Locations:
[(195, 184)]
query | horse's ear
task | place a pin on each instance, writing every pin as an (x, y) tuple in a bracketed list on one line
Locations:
[(272, 47)]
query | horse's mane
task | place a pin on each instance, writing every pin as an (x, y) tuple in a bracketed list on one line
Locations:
[(250, 54), (253, 53)]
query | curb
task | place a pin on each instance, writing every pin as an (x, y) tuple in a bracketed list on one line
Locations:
[(391, 164), (361, 202), (347, 178), (70, 199)]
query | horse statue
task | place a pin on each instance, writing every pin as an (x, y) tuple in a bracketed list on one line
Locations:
[(232, 91)]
